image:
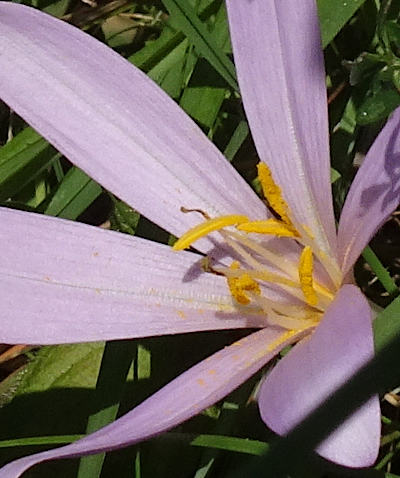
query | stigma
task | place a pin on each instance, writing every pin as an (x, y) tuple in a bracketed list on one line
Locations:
[(258, 268)]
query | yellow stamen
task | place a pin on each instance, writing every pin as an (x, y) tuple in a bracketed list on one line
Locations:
[(258, 274), (291, 323), (282, 338), (239, 285), (306, 265), (270, 226), (272, 193), (205, 228), (278, 260), (308, 231), (258, 269)]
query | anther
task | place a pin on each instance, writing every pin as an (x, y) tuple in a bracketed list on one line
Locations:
[(206, 228), (306, 266), (269, 226)]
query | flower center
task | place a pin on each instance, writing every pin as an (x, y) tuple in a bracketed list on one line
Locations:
[(278, 280)]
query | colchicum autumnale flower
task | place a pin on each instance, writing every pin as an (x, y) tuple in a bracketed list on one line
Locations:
[(282, 269)]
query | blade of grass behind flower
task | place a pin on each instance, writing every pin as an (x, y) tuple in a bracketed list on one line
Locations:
[(74, 194), (220, 442), (204, 42), (115, 364), (381, 273), (44, 440), (156, 50), (169, 72), (237, 139), (203, 97), (22, 160)]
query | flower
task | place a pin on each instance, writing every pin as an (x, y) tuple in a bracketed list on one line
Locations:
[(79, 283)]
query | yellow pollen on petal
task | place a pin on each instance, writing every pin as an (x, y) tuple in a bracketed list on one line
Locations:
[(206, 228), (269, 226), (306, 265), (272, 193), (238, 286)]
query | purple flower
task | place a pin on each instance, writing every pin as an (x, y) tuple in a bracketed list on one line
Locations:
[(68, 282)]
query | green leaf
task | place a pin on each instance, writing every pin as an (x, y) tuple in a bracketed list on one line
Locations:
[(53, 398), (396, 79), (204, 42), (241, 445), (393, 32), (156, 50), (44, 440), (335, 175), (387, 325), (74, 194), (22, 160), (115, 364), (58, 383), (333, 15), (239, 135), (57, 8), (203, 97), (124, 218), (63, 366), (380, 271), (363, 66), (169, 72), (378, 106)]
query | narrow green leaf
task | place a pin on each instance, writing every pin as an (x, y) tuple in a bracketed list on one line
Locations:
[(138, 471), (333, 15), (202, 39), (45, 440), (381, 273), (22, 160), (220, 442), (156, 50), (241, 445), (240, 134), (74, 194), (168, 72), (203, 97), (117, 359), (58, 170), (202, 472), (387, 325)]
